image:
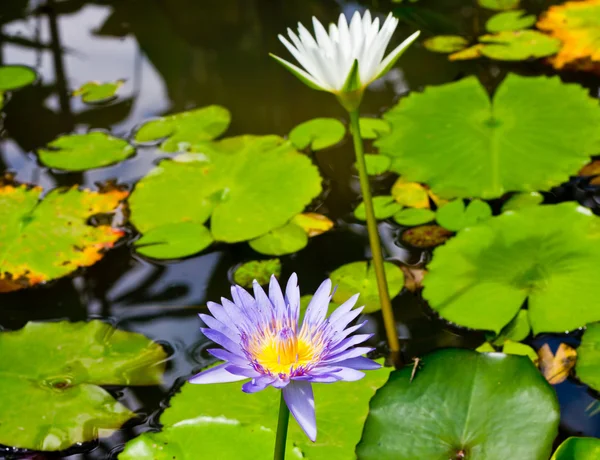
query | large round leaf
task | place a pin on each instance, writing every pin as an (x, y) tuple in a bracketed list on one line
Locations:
[(462, 404), (78, 152), (283, 240), (510, 20), (174, 241), (94, 92), (341, 411), (50, 375), (547, 254), (588, 357), (518, 45), (578, 449), (452, 138), (15, 76), (247, 185), (318, 133), (44, 240)]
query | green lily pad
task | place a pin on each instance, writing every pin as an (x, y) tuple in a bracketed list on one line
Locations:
[(174, 241), (283, 240), (44, 240), (259, 270), (454, 216), (94, 92), (183, 131), (247, 185), (52, 378), (383, 207), (587, 367), (519, 45), (341, 411), (372, 128), (446, 43), (79, 152), (462, 404), (359, 278), (377, 164), (546, 254), (578, 449), (413, 216), (485, 347), (520, 349), (318, 133), (499, 4), (16, 76), (522, 200), (518, 329), (510, 21), (454, 139)]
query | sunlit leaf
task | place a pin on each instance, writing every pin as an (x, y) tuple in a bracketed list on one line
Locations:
[(410, 194), (318, 133), (413, 216), (16, 76), (377, 164), (446, 43), (283, 240), (183, 131), (518, 329), (578, 449), (499, 4), (472, 52), (588, 361), (522, 200), (556, 368), (426, 236), (518, 45), (173, 241), (510, 21), (515, 348), (44, 240), (94, 92), (383, 207), (314, 224), (52, 378), (372, 128), (462, 404), (359, 278), (545, 254), (79, 152), (485, 347), (259, 270), (452, 138), (454, 216)]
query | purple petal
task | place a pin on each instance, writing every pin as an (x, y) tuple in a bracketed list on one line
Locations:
[(218, 312), (350, 342), (247, 371), (349, 375), (276, 295), (299, 398), (338, 337), (317, 308), (341, 322), (242, 298), (343, 309), (292, 293), (225, 355), (257, 384), (344, 355), (325, 378), (216, 374), (359, 363), (262, 300), (223, 340), (220, 327)]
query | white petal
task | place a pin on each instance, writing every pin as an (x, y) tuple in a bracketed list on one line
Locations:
[(322, 37), (345, 40)]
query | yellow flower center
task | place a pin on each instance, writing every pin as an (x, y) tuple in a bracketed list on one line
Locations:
[(281, 353)]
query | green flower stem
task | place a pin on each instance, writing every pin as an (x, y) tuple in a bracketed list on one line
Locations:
[(384, 296), (282, 428)]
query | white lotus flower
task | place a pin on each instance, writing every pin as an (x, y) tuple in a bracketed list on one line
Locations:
[(346, 60)]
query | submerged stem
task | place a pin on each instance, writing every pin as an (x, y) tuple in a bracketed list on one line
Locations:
[(282, 428), (384, 296)]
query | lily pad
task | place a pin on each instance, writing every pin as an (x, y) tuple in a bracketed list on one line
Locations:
[(520, 349), (522, 200), (372, 128), (341, 411), (411, 217), (454, 216), (313, 223), (578, 449), (383, 207), (499, 4), (410, 194), (545, 254), (247, 185), (174, 241), (283, 240), (588, 361), (377, 164), (318, 133), (16, 76), (518, 45), (44, 240), (183, 131), (259, 270), (95, 92), (359, 277), (510, 21), (79, 152), (446, 43), (462, 404), (426, 236), (518, 329), (52, 378), (472, 52), (452, 138)]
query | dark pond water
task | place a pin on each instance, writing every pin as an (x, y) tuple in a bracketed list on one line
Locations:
[(180, 54)]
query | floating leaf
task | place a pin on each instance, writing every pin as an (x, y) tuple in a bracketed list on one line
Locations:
[(283, 240), (16, 76), (518, 329), (453, 139), (577, 26), (383, 207), (411, 217), (79, 152), (174, 241), (454, 216), (591, 169), (410, 194), (510, 21), (499, 4), (341, 411), (94, 92), (446, 43), (520, 349), (522, 200), (588, 361), (556, 368), (462, 404), (578, 449), (52, 378), (518, 45), (47, 239), (472, 52), (318, 133), (247, 185), (377, 164), (359, 277), (485, 347), (259, 270), (546, 254), (426, 236), (183, 131), (372, 128), (312, 223)]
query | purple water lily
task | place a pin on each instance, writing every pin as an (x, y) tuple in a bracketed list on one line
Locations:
[(263, 340)]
